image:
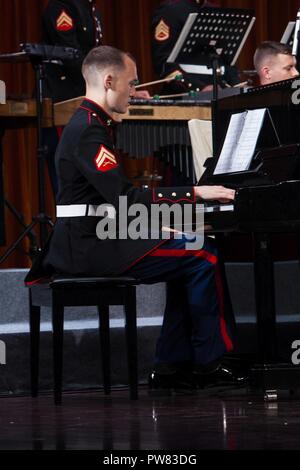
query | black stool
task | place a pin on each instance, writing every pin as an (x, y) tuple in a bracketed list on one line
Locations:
[(71, 292)]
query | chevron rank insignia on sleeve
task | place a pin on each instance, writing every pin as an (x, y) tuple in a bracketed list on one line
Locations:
[(64, 22), (105, 160), (162, 31)]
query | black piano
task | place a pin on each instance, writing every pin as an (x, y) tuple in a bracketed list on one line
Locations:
[(267, 201), (282, 101)]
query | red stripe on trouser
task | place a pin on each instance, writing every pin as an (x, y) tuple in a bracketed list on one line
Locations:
[(223, 327), (184, 253), (59, 130), (213, 260)]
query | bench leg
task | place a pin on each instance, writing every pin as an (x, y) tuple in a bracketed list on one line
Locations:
[(104, 335), (34, 325), (131, 341), (57, 326)]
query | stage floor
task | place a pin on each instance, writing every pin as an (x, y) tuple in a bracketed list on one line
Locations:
[(231, 420)]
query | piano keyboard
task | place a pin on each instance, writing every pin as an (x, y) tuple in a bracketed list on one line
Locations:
[(208, 209)]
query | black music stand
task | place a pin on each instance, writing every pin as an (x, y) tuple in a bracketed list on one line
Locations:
[(224, 30), (210, 40), (291, 36), (288, 35), (38, 55)]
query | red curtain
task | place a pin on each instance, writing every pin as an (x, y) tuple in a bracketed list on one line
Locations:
[(127, 26)]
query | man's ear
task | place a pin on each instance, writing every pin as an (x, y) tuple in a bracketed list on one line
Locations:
[(266, 72), (108, 79)]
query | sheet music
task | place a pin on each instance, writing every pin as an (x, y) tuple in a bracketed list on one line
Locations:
[(241, 141)]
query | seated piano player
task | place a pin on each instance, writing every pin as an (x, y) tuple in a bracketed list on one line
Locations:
[(76, 24), (196, 331), (274, 62)]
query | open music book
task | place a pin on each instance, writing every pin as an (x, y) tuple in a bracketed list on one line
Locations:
[(240, 141)]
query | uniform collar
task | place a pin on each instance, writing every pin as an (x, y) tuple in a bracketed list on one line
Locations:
[(95, 108)]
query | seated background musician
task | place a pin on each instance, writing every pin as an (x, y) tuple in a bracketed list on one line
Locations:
[(195, 333), (167, 23), (274, 62)]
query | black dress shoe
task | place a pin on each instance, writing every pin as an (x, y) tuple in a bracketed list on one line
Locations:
[(222, 375), (167, 384)]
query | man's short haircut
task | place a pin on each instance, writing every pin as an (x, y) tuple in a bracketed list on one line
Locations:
[(269, 50), (105, 56)]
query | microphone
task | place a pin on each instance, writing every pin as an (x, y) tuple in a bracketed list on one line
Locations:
[(296, 35)]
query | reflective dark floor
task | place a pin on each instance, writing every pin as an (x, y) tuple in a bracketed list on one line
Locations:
[(209, 420)]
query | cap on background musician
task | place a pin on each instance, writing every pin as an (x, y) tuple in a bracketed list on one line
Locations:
[(195, 334), (274, 62), (167, 23)]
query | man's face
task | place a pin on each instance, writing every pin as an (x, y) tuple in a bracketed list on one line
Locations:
[(123, 87), (282, 67)]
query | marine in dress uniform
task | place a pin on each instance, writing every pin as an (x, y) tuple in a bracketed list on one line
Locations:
[(70, 23), (167, 23), (195, 329)]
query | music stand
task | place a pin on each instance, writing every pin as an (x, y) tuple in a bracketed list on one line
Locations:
[(209, 40), (288, 35), (222, 32), (291, 37), (38, 55)]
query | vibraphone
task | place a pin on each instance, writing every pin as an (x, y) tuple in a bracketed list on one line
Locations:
[(18, 114), (21, 113), (154, 127), (160, 128)]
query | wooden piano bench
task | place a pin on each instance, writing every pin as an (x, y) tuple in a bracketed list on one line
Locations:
[(71, 292)]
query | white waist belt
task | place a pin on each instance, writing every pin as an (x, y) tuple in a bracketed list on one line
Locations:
[(84, 210)]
